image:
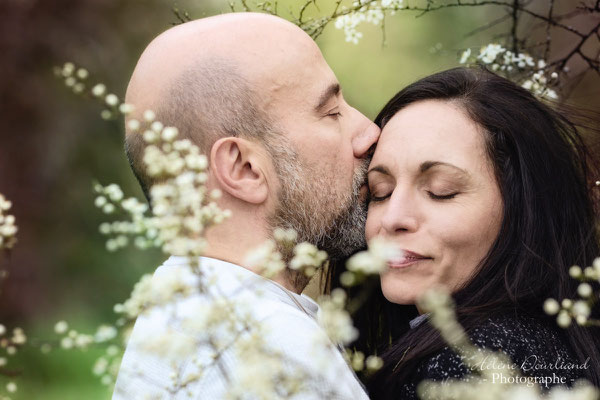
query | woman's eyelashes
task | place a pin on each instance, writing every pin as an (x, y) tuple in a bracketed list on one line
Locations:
[(382, 196), (373, 198), (434, 196), (379, 191)]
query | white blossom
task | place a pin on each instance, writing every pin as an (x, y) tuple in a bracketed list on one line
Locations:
[(82, 73), (61, 327), (67, 343), (111, 100), (157, 127), (11, 387), (169, 133), (149, 116), (266, 259), (285, 235), (133, 124), (375, 259), (100, 366), (105, 333), (465, 56), (584, 290), (307, 258), (575, 271), (8, 229), (488, 53), (551, 306), (19, 336), (99, 90), (335, 320), (391, 3), (78, 88), (68, 69), (581, 308), (374, 363), (564, 319), (125, 108)]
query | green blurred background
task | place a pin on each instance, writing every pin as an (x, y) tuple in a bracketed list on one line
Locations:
[(53, 145)]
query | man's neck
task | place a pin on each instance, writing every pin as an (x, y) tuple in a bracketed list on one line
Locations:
[(294, 281)]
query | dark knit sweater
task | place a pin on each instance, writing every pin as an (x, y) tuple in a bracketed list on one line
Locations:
[(536, 349)]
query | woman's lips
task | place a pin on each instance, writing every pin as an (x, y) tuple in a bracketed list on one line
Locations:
[(408, 258)]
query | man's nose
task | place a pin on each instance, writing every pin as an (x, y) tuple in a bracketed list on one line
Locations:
[(366, 135)]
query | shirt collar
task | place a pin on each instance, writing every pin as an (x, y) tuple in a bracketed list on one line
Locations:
[(231, 277)]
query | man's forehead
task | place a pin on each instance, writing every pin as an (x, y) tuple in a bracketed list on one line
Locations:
[(310, 89)]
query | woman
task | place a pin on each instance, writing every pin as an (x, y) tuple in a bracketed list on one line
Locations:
[(485, 188)]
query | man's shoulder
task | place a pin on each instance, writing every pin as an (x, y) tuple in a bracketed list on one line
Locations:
[(228, 314)]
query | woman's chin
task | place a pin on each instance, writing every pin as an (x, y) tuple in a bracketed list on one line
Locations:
[(399, 296)]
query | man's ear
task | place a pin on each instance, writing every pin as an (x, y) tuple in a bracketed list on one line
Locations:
[(238, 167)]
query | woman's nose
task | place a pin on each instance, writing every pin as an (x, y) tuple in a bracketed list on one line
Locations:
[(400, 215)]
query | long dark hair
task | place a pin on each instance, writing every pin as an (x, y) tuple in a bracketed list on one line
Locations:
[(542, 169)]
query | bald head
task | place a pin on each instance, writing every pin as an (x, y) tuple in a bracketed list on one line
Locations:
[(212, 78), (256, 42)]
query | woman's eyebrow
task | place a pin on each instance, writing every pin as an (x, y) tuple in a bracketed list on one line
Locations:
[(427, 165), (424, 167), (381, 169)]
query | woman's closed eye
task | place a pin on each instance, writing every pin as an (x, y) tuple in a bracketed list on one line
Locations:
[(441, 196), (378, 197)]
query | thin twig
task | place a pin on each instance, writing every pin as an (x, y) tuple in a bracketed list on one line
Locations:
[(577, 50), (515, 20), (487, 26), (303, 9), (182, 17), (548, 28), (383, 34)]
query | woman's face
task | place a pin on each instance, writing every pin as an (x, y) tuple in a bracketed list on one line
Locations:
[(433, 194)]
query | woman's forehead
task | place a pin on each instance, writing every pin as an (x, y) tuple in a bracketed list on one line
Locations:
[(432, 130)]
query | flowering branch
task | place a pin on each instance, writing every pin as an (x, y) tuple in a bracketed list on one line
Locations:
[(348, 18), (181, 15), (481, 383), (569, 310), (8, 229)]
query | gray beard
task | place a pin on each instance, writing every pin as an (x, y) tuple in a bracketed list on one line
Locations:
[(332, 221), (347, 233), (305, 205)]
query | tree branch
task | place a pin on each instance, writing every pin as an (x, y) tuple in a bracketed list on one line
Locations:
[(548, 27), (577, 50), (487, 26), (515, 22)]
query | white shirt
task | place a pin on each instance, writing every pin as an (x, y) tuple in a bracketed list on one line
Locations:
[(172, 340)]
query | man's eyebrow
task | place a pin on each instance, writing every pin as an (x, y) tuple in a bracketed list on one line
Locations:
[(332, 91), (381, 169), (425, 166)]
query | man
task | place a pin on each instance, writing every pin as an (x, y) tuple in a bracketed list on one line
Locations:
[(255, 94)]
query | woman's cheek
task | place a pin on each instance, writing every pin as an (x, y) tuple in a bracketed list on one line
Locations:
[(372, 223)]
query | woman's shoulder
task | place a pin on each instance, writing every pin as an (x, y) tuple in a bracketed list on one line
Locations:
[(535, 347), (515, 333)]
